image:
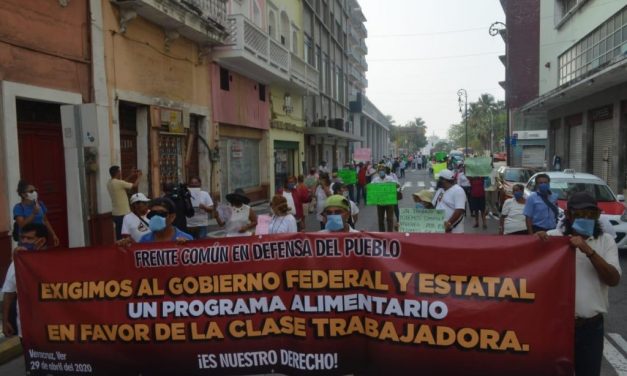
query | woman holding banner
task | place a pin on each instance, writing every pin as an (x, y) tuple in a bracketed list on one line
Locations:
[(282, 221)]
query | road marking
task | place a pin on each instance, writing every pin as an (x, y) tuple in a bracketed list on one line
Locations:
[(614, 357), (421, 184), (433, 184), (407, 184), (619, 341)]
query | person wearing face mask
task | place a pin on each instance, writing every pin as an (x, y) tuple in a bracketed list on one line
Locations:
[(135, 224), (282, 221), (423, 199), (33, 237), (31, 210), (597, 267), (242, 219), (293, 199), (452, 199), (385, 213), (336, 215), (512, 221), (323, 190), (203, 205), (541, 207), (342, 189), (161, 218)]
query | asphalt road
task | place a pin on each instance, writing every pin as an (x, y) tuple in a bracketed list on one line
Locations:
[(615, 353)]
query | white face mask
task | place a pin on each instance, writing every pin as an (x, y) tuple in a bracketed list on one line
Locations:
[(32, 195)]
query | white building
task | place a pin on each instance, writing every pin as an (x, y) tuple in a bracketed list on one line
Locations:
[(583, 85)]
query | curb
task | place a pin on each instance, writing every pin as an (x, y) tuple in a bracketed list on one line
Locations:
[(10, 348)]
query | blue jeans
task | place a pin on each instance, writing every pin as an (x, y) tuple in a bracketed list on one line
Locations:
[(361, 191), (117, 221), (589, 348)]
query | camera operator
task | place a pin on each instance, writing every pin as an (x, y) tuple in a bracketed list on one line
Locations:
[(182, 198)]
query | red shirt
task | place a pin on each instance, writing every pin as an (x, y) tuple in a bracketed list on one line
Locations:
[(476, 187)]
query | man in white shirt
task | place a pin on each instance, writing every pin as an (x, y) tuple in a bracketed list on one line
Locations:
[(597, 267), (385, 213), (203, 205), (135, 224), (452, 199)]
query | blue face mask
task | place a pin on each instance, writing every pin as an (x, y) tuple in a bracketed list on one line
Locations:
[(157, 223), (27, 246), (382, 174), (420, 205), (544, 188), (334, 222), (291, 186), (584, 226), (518, 195)]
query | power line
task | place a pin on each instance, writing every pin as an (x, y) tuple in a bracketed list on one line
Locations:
[(425, 34), (435, 57)]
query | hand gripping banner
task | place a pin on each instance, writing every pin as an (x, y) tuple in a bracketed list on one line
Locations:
[(312, 304)]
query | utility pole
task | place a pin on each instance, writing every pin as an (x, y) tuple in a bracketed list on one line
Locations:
[(463, 93)]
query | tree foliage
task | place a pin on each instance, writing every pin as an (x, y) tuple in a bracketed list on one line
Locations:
[(484, 116), (411, 136)]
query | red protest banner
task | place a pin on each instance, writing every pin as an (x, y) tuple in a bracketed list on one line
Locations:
[(360, 303)]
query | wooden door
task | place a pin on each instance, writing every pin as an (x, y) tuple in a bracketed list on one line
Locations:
[(42, 163)]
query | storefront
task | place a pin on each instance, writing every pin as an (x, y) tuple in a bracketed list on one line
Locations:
[(285, 161)]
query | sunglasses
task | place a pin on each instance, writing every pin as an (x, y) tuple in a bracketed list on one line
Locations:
[(157, 212)]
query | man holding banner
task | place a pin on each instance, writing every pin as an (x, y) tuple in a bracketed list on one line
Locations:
[(452, 199), (597, 267)]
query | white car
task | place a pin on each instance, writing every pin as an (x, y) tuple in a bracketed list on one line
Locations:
[(612, 207)]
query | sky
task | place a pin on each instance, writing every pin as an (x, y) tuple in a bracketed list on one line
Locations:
[(421, 52)]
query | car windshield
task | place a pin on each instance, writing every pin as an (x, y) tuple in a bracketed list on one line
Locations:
[(564, 188), (515, 175)]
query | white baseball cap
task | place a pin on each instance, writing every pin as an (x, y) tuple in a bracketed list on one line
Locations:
[(447, 174), (139, 197)]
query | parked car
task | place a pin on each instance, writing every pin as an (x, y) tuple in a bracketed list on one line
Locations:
[(612, 206), (506, 177)]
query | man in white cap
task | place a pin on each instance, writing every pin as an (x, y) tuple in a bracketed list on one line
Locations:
[(135, 223), (451, 198)]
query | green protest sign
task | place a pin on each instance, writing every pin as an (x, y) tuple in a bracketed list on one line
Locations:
[(421, 220), (478, 166), (347, 176), (440, 156), (381, 194), (437, 168)]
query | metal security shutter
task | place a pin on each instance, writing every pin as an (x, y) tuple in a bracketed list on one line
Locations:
[(602, 155), (533, 156), (575, 160)]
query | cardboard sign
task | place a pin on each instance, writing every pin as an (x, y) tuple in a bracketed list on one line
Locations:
[(348, 176), (381, 194), (421, 220)]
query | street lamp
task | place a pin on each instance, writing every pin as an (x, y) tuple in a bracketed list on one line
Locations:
[(463, 93), (495, 29)]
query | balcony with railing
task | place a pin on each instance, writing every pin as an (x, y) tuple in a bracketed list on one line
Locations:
[(202, 21), (250, 51)]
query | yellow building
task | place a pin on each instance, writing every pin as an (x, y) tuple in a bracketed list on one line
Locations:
[(285, 20), (158, 82)]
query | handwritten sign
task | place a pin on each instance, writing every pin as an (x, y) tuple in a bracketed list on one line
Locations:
[(362, 154), (381, 194), (263, 224), (348, 176), (421, 220)]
